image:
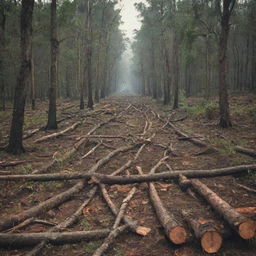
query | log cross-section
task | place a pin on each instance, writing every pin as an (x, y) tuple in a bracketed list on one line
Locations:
[(245, 227)]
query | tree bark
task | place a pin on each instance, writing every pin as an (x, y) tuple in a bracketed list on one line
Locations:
[(29, 239), (52, 115), (245, 227), (223, 42), (108, 179), (2, 54), (15, 145), (210, 238)]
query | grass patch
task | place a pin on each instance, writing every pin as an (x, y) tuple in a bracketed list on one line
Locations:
[(245, 110), (225, 147)]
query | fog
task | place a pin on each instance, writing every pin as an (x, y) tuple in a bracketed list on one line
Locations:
[(131, 22)]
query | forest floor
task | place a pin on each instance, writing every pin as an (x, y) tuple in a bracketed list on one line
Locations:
[(199, 121)]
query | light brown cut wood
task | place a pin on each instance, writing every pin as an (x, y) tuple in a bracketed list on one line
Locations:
[(245, 227), (210, 238)]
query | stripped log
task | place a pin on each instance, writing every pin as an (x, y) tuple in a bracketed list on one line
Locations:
[(174, 229), (246, 151), (245, 227), (58, 134), (113, 234), (109, 179), (30, 239), (205, 231)]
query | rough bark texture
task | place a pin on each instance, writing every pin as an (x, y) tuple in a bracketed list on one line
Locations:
[(245, 227), (15, 145), (223, 43), (52, 117), (109, 179), (29, 239), (41, 208), (245, 151), (210, 238)]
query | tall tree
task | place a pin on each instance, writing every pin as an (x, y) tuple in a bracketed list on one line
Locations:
[(89, 53), (3, 6), (225, 8), (15, 145), (52, 115)]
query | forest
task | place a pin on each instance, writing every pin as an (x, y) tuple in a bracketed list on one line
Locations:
[(128, 127)]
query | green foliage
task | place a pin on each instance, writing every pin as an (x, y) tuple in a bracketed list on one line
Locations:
[(92, 246), (205, 109)]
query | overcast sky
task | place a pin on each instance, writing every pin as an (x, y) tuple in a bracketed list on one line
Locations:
[(129, 17)]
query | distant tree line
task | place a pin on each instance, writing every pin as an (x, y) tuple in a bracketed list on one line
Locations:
[(196, 47)]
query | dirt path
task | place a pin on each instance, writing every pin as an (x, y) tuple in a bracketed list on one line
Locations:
[(137, 121)]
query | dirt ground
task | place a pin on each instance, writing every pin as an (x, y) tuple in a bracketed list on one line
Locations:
[(18, 196)]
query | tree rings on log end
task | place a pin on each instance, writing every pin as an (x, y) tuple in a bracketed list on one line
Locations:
[(211, 241), (178, 235), (247, 229)]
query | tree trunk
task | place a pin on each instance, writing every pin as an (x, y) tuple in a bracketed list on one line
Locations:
[(33, 91), (176, 74), (52, 119), (89, 56), (223, 86), (15, 141), (2, 55)]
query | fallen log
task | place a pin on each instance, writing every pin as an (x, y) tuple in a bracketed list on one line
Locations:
[(58, 134), (114, 233), (247, 188), (245, 227), (246, 151), (91, 151), (41, 208), (174, 229), (30, 239), (109, 179), (210, 238), (58, 199)]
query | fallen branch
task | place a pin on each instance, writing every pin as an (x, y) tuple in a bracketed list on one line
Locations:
[(41, 208), (246, 151), (210, 238), (65, 224), (12, 163), (91, 151), (247, 188), (245, 227), (113, 234), (30, 239), (109, 179), (58, 134)]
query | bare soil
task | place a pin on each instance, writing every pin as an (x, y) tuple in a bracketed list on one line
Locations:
[(18, 196)]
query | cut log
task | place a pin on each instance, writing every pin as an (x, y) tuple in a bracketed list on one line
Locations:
[(210, 238), (246, 151), (109, 179), (174, 229), (245, 227), (29, 239)]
